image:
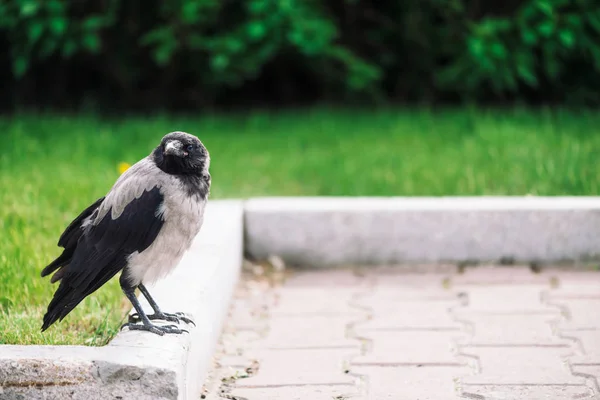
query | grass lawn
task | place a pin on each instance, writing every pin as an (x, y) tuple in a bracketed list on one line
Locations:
[(51, 167)]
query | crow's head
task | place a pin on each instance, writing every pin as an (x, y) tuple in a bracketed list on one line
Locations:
[(180, 153)]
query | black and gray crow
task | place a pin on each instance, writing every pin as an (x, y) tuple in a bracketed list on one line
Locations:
[(142, 227)]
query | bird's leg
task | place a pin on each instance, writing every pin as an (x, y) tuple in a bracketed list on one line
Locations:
[(146, 324), (158, 314)]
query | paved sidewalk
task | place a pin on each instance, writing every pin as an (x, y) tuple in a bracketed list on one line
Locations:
[(486, 333)]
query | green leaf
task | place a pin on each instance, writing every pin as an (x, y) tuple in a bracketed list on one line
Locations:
[(93, 23), (58, 25), (476, 47), (498, 50), (29, 8), (546, 28), (91, 42), (55, 6), (234, 44), (163, 53), (35, 31), (594, 21), (219, 62), (545, 7), (527, 75), (567, 38), (256, 30), (258, 6), (20, 66), (502, 25), (529, 37), (574, 21), (189, 12), (158, 35)]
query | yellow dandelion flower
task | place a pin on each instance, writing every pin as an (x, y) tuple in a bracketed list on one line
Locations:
[(123, 166)]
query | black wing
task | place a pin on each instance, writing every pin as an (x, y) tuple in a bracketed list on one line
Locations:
[(102, 252), (68, 240)]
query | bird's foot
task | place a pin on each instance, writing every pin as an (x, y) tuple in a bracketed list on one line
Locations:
[(171, 317), (159, 330)]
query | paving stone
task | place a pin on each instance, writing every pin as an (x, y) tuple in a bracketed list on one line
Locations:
[(408, 348), (331, 278), (236, 342), (243, 316), (234, 361), (510, 392), (312, 331), (412, 268), (325, 392), (411, 382), (509, 329), (581, 314), (590, 346), (417, 322), (521, 366), (392, 293), (324, 301), (409, 314), (299, 367), (590, 371), (402, 286), (499, 275), (508, 299), (401, 280), (578, 284)]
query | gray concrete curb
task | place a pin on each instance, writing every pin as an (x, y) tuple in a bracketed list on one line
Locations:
[(141, 365), (330, 231)]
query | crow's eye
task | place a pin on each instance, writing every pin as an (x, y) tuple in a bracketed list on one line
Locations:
[(189, 148)]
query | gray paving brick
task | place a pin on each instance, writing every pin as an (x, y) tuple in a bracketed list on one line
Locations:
[(511, 329), (411, 269), (320, 300), (307, 331), (236, 343), (406, 314), (514, 392), (508, 299), (413, 293), (409, 348), (521, 366), (582, 314), (592, 372), (399, 281), (411, 382), (589, 342), (325, 392), (299, 367), (577, 284), (244, 316), (331, 278), (499, 275)]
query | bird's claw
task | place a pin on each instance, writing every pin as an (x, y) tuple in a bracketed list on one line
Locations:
[(175, 317), (171, 317), (159, 330)]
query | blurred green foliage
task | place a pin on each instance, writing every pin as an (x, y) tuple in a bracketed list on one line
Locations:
[(198, 52)]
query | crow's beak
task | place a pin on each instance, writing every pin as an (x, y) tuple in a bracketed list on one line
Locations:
[(174, 148)]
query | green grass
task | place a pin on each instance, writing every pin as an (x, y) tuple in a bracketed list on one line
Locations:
[(51, 167)]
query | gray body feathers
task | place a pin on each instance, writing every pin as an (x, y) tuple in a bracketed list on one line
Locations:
[(182, 215)]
